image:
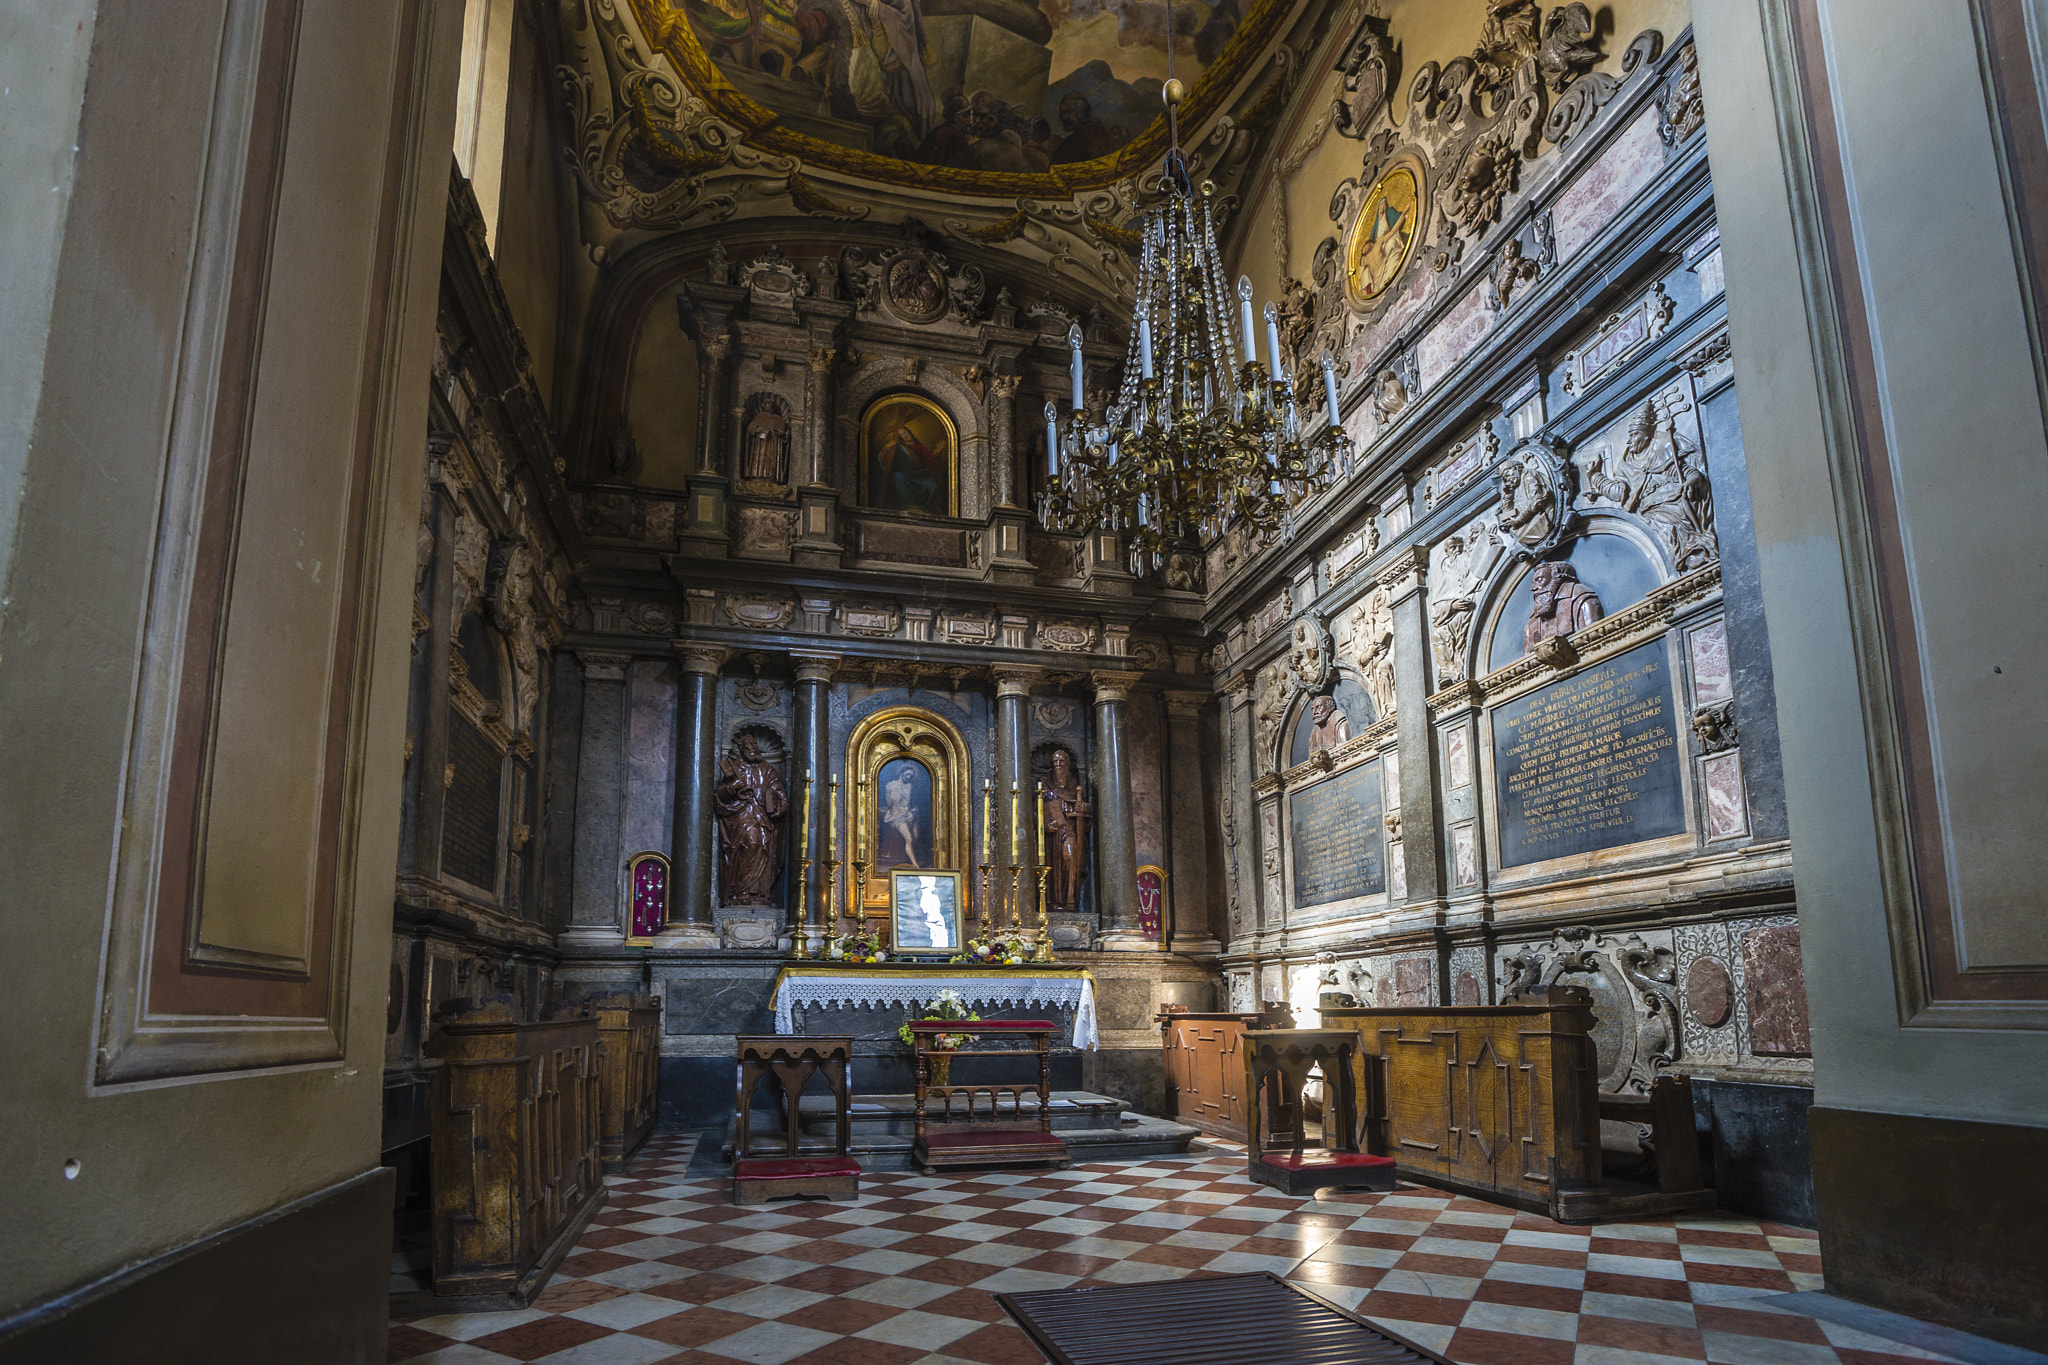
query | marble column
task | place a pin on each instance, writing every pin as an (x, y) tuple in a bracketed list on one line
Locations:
[(1116, 867), (1013, 766), (597, 905), (1189, 889), (818, 408), (691, 921), (1002, 437), (1421, 789), (810, 755)]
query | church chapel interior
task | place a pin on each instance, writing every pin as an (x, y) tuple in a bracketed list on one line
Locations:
[(980, 682)]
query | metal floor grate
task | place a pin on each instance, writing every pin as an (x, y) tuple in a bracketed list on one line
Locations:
[(1257, 1319)]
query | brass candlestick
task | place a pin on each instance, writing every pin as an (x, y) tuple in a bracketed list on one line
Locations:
[(832, 866), (799, 937), (1016, 910), (1043, 952)]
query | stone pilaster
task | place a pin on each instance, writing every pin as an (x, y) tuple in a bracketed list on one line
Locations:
[(1116, 864), (597, 907), (1421, 787), (811, 756), (690, 917), (1240, 837), (817, 527), (1008, 522), (703, 533), (1187, 926)]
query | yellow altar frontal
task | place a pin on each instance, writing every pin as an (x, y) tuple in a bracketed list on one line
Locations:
[(824, 985)]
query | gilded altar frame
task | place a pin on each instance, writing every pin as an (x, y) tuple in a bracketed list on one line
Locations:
[(869, 494), (908, 732)]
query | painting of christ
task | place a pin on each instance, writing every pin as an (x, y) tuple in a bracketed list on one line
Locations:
[(903, 816)]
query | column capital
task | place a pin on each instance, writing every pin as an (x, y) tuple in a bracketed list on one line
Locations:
[(1407, 573), (1005, 385), (1015, 680), (814, 667), (821, 358), (1112, 684), (701, 658), (603, 665), (1239, 686), (1185, 705)]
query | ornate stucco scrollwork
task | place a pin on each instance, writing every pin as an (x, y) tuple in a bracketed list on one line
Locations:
[(1636, 1032)]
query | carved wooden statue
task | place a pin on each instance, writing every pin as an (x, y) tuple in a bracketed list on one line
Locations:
[(1558, 604), (766, 458), (1066, 833), (752, 804)]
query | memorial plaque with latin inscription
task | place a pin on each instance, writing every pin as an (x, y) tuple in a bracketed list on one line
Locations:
[(1590, 762), (1338, 838), (469, 827)]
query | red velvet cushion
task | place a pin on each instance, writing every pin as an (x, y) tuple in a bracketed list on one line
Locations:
[(794, 1168), (985, 1026), (996, 1138), (1324, 1161)]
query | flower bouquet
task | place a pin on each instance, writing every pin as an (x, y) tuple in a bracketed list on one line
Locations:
[(859, 948), (944, 1005), (994, 952)]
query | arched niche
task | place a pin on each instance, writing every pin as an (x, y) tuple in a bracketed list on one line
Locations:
[(1615, 558), (912, 765), (947, 392), (1352, 699)]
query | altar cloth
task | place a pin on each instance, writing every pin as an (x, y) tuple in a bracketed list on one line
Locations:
[(909, 987)]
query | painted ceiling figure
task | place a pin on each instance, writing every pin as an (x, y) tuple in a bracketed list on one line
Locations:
[(1558, 604), (751, 803), (1066, 833), (1332, 727)]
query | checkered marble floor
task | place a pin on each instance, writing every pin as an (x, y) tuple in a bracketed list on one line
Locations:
[(672, 1272)]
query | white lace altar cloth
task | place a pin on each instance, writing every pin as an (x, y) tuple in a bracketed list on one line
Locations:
[(802, 988)]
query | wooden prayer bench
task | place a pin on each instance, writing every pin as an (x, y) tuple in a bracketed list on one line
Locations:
[(792, 1060), (1278, 1061), (981, 1140), (1503, 1102), (629, 1063), (515, 1111)]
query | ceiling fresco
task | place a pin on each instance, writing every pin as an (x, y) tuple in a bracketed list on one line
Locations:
[(967, 96)]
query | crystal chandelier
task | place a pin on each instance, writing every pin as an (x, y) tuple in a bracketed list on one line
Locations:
[(1195, 441)]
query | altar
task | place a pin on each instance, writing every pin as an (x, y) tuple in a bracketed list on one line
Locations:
[(1068, 991)]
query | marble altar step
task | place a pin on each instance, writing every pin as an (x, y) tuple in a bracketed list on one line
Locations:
[(882, 1127)]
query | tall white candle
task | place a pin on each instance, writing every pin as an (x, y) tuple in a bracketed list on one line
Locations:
[(1273, 342), (1330, 386), (1145, 345), (1074, 342), (1244, 312), (1052, 440)]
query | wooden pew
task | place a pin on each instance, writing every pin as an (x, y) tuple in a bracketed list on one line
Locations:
[(514, 1111), (1503, 1102), (629, 1070), (1204, 1056)]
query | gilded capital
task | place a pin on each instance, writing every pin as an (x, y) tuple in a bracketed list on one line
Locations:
[(821, 358), (699, 658), (1005, 385), (1015, 680), (1112, 685), (814, 667)]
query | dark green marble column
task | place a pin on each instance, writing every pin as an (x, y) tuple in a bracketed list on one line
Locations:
[(690, 917), (1013, 767), (810, 755), (1116, 865)]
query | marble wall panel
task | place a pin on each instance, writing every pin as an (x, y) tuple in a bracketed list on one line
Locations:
[(649, 812), (1455, 335), (1727, 811), (1774, 980), (1601, 191), (1144, 736), (1712, 682)]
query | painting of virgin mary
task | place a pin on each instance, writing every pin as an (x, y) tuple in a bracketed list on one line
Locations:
[(909, 457)]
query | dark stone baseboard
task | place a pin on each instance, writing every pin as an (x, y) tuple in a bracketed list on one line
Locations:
[(1755, 1146), (1137, 1076), (306, 1283), (1935, 1218)]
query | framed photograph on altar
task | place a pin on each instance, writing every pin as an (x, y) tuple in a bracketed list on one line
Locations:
[(924, 911)]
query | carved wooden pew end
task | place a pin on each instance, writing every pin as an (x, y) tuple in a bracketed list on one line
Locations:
[(793, 1061)]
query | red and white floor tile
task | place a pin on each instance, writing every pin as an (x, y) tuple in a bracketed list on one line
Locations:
[(672, 1272)]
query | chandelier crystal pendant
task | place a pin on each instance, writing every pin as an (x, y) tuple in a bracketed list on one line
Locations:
[(1195, 441)]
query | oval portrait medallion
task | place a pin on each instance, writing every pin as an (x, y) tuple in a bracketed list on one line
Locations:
[(1384, 236)]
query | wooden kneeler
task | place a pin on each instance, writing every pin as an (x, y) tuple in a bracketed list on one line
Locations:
[(1279, 1060), (792, 1061), (983, 1138)]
